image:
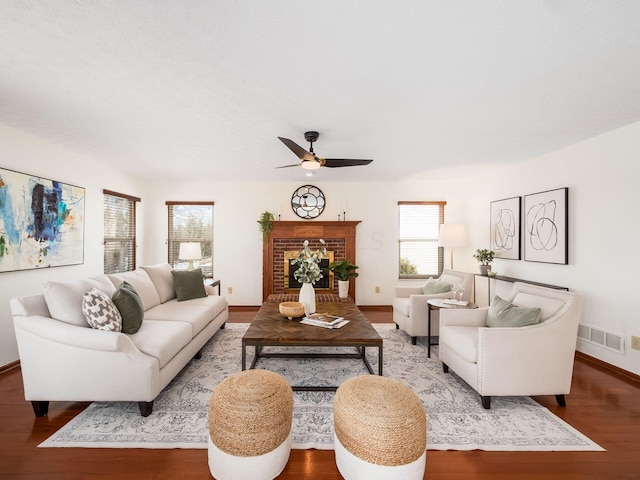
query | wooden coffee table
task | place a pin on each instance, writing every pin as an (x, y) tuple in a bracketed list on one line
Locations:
[(270, 329)]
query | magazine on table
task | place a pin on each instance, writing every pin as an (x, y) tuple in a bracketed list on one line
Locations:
[(324, 320)]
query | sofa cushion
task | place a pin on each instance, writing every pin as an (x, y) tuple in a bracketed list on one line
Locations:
[(188, 284), (197, 312), (140, 280), (100, 311), (435, 286), (505, 314), (162, 340), (464, 340), (64, 299), (130, 307), (162, 279)]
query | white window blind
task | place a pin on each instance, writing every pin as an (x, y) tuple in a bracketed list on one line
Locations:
[(191, 222), (419, 224), (119, 232)]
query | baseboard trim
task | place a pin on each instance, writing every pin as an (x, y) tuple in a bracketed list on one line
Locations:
[(608, 367), (9, 366)]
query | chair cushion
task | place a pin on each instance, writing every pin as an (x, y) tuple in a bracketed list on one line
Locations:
[(130, 307), (188, 284), (64, 299), (504, 314), (162, 279), (463, 340), (100, 311), (436, 286), (140, 280), (549, 306)]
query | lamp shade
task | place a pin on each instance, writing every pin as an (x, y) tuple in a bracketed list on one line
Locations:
[(190, 251), (452, 235)]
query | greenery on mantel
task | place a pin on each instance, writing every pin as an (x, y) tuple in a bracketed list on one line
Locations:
[(265, 224), (343, 269)]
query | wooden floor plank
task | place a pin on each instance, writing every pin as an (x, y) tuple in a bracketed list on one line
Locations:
[(602, 405)]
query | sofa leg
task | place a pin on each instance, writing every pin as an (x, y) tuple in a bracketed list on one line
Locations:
[(198, 355), (222, 326), (145, 408), (486, 402), (413, 340), (445, 368), (561, 400), (41, 409), (397, 327)]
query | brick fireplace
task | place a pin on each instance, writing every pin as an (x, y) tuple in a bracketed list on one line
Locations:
[(340, 238)]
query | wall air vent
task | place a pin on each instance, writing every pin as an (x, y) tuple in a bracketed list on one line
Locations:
[(599, 336)]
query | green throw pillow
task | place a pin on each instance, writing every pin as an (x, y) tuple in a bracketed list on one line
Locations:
[(504, 314), (188, 284), (436, 286), (129, 305)]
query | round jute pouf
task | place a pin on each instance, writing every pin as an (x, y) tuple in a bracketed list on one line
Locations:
[(380, 430), (250, 417)]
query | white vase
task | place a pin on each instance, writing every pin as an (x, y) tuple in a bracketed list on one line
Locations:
[(343, 288), (307, 297)]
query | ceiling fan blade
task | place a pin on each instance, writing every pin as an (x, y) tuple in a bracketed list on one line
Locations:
[(344, 162), (287, 166), (300, 152)]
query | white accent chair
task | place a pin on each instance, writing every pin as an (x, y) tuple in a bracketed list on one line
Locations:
[(514, 361), (410, 304)]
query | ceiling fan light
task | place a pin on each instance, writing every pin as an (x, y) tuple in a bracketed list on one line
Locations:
[(310, 165)]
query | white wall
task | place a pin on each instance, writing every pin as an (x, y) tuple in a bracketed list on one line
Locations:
[(603, 194), (27, 154)]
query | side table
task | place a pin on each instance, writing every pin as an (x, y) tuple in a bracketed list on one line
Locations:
[(437, 304)]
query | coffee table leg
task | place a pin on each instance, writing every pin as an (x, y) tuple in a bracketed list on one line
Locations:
[(380, 360), (244, 356)]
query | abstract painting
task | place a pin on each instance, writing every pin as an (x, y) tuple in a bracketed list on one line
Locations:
[(505, 228), (41, 222), (546, 235)]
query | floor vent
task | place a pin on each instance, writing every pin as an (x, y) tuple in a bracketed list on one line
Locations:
[(598, 336)]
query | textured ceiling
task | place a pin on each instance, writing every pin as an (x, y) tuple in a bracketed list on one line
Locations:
[(180, 89)]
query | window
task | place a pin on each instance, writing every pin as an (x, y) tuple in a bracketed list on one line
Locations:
[(419, 224), (191, 222), (119, 232)]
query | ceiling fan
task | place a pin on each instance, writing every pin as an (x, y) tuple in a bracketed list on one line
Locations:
[(310, 161)]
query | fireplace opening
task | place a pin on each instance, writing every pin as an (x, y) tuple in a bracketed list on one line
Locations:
[(291, 283)]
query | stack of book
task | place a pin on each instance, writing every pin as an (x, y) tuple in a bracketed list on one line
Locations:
[(324, 320)]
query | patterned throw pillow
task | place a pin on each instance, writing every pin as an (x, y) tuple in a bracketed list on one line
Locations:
[(100, 312)]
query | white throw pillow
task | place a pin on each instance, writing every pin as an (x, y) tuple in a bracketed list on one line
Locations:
[(100, 311), (162, 279)]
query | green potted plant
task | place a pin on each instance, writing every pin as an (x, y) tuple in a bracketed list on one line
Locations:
[(265, 223), (344, 270), (485, 257)]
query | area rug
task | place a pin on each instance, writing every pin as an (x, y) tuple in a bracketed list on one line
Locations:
[(455, 417)]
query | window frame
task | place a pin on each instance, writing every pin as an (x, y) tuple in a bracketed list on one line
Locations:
[(172, 257), (131, 234), (441, 205)]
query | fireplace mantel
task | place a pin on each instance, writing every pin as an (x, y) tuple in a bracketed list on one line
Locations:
[(306, 230)]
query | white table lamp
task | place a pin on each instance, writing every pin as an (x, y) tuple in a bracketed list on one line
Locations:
[(452, 235), (190, 251)]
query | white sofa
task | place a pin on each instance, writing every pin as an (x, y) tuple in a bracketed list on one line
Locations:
[(410, 304), (502, 361), (63, 359)]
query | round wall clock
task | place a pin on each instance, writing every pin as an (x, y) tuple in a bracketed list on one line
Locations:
[(308, 201)]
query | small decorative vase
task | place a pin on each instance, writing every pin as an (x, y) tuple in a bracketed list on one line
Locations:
[(307, 297), (343, 288), (484, 269)]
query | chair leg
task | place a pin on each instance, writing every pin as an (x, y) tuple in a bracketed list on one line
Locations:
[(413, 340), (445, 368), (146, 408), (397, 327), (41, 409), (561, 400), (486, 402), (223, 325)]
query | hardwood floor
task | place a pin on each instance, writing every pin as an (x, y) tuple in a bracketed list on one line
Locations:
[(602, 405)]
